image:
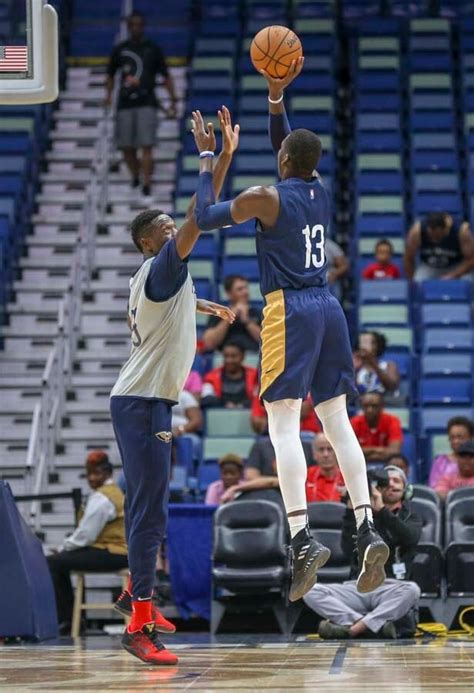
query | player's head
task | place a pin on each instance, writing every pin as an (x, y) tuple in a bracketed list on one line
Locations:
[(234, 356), (136, 25), (98, 468), (151, 230), (299, 154), (383, 251), (372, 406), (236, 288), (437, 224), (323, 452)]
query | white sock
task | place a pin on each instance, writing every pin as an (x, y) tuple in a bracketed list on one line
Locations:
[(284, 431), (338, 430), (362, 513)]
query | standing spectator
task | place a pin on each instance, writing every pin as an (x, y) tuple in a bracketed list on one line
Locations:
[(350, 614), (460, 430), (324, 481), (231, 468), (98, 543), (338, 266), (383, 267), (139, 60), (379, 433), (463, 475), (445, 248), (231, 385), (374, 373), (245, 330), (309, 422)]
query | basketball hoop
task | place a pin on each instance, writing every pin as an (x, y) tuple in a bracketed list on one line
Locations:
[(29, 61)]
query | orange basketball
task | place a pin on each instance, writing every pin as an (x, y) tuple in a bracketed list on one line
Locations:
[(273, 49)]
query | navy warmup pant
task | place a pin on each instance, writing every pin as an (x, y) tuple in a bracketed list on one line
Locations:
[(143, 431)]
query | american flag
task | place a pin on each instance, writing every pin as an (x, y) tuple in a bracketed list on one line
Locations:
[(13, 58)]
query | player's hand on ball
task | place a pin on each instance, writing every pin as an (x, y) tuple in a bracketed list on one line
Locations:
[(230, 136), (277, 85), (205, 139)]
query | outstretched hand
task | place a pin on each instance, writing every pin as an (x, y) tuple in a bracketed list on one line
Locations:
[(276, 85), (230, 136), (205, 139)]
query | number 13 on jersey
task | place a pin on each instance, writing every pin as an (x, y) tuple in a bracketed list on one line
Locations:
[(314, 238)]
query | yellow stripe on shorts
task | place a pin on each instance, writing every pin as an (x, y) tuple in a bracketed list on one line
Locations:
[(273, 339)]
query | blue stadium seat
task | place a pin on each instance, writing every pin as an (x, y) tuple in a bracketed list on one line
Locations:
[(438, 364), (436, 339), (382, 291), (246, 266), (445, 390), (453, 290), (438, 314), (434, 419)]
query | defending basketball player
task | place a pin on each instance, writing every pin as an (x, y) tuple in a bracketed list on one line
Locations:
[(305, 341), (162, 321)]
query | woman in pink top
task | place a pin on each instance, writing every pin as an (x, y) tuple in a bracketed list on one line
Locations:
[(231, 468), (460, 430)]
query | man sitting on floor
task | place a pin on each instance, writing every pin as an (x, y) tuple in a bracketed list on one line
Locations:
[(350, 614), (98, 543)]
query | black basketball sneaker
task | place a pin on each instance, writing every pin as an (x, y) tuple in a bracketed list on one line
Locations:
[(308, 556), (373, 554)]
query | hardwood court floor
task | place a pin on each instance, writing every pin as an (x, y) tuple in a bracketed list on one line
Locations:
[(243, 663)]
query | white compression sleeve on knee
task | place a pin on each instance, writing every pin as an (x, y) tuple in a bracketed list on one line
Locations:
[(338, 430), (284, 430)]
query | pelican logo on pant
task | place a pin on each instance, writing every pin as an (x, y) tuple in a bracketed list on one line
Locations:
[(165, 436)]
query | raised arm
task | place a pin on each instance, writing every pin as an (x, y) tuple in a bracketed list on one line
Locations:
[(278, 124), (189, 231)]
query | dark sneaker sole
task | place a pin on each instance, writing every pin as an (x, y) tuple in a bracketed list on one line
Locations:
[(299, 588), (134, 653), (372, 574)]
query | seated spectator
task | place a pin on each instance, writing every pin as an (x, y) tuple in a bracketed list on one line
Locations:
[(383, 267), (231, 385), (245, 330), (309, 422), (400, 461), (372, 372), (193, 384), (231, 468), (460, 430), (324, 481), (378, 432), (388, 611), (98, 543), (443, 247), (260, 474), (463, 476), (186, 424), (338, 266)]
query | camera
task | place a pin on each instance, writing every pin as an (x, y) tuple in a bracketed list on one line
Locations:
[(377, 477)]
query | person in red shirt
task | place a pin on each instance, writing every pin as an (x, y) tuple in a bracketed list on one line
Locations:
[(324, 481), (383, 267), (308, 419), (231, 385), (379, 433)]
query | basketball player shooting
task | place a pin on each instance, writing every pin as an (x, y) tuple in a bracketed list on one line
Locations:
[(305, 343), (162, 322)]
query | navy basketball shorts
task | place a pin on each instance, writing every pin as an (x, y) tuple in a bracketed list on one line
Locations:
[(143, 431), (305, 347)]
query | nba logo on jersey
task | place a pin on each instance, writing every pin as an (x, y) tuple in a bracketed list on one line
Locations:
[(311, 193)]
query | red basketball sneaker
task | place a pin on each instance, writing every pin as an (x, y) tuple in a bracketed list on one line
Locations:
[(146, 645), (124, 606)]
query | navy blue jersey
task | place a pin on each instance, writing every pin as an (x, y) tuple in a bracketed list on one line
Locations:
[(291, 253)]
